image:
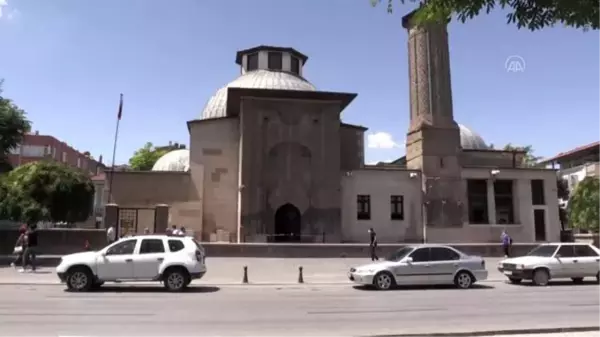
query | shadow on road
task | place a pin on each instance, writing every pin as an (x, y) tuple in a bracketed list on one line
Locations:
[(558, 283), (432, 287), (151, 289)]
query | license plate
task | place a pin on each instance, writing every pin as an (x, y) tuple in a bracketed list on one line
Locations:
[(508, 273)]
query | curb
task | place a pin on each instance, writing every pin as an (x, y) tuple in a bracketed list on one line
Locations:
[(496, 332)]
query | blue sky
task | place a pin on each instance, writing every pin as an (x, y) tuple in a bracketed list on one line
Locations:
[(66, 61)]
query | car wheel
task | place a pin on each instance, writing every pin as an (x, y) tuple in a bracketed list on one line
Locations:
[(577, 280), (515, 280), (463, 280), (541, 277), (384, 281), (176, 280), (79, 279)]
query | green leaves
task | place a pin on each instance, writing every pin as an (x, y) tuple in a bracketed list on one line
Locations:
[(584, 205), (529, 14), (13, 127), (145, 158), (529, 160), (46, 191)]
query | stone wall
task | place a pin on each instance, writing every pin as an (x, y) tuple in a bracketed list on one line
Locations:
[(56, 241)]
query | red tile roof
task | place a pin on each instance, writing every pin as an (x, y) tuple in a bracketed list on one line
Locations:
[(571, 152)]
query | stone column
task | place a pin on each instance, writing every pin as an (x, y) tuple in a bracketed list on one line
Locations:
[(161, 218), (491, 202), (111, 218)]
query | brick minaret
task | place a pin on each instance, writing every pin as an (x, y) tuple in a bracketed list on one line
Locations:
[(433, 139)]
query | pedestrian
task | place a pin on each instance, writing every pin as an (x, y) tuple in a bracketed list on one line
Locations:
[(506, 243), (110, 235), (31, 244), (373, 244), (146, 231), (182, 231), (18, 250), (175, 231)]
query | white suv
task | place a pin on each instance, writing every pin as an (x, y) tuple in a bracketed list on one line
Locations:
[(554, 261), (174, 260)]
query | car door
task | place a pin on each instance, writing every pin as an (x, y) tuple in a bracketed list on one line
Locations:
[(589, 260), (148, 258), (565, 262), (117, 261), (419, 269), (444, 262)]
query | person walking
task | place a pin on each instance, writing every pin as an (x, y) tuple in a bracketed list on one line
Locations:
[(110, 235), (30, 247), (506, 243), (18, 250), (373, 244)]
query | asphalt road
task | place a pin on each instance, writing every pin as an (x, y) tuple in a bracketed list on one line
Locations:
[(48, 310)]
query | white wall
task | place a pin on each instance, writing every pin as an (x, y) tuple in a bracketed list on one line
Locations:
[(380, 184)]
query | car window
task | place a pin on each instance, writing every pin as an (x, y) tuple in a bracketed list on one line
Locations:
[(443, 254), (152, 246), (399, 254), (543, 251), (566, 251), (420, 255), (175, 245), (122, 248), (584, 251)]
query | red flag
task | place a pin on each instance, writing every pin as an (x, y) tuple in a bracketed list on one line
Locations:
[(120, 108)]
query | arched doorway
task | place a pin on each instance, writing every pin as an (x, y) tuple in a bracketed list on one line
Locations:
[(288, 222)]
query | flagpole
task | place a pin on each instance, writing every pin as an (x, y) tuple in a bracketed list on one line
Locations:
[(110, 182)]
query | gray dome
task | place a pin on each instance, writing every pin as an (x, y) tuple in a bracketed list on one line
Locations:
[(470, 140), (177, 160), (256, 79)]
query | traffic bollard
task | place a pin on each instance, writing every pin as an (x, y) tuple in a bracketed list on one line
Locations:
[(245, 279), (300, 276)]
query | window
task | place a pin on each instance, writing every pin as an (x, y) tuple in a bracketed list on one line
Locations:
[(64, 157), (152, 246), (48, 151), (363, 210), (566, 251), (175, 245), (122, 248), (573, 181), (543, 251), (79, 162), (584, 251), (443, 254), (537, 192), (53, 153), (503, 195), (397, 205), (275, 60), (420, 255), (478, 203), (295, 66), (252, 62), (33, 150)]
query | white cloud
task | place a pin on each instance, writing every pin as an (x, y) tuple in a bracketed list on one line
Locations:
[(382, 140), (3, 7), (6, 12)]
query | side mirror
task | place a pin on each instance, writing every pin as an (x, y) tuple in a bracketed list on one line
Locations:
[(103, 254), (409, 260)]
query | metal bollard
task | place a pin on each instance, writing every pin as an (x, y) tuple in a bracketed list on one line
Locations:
[(300, 276), (245, 279)]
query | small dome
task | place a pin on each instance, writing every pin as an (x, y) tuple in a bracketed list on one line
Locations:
[(178, 160), (470, 140), (256, 79)]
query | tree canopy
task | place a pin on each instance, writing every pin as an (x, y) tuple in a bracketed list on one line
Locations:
[(145, 158), (46, 191), (530, 14), (584, 205), (529, 160), (13, 127)]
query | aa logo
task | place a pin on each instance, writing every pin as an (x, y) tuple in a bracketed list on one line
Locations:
[(515, 64)]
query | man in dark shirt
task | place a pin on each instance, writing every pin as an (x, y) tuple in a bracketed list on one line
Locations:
[(31, 244), (373, 244)]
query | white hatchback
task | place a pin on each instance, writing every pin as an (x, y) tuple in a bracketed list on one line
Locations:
[(173, 260), (554, 261)]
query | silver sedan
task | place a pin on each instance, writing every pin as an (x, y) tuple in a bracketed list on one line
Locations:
[(422, 265)]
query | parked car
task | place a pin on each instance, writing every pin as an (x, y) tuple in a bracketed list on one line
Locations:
[(554, 261), (175, 261), (422, 265)]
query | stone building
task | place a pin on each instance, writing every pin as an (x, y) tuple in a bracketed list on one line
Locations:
[(270, 159)]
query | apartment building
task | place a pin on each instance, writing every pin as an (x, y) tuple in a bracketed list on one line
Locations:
[(37, 147), (576, 164)]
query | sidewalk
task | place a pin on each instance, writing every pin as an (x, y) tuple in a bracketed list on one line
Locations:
[(260, 271)]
